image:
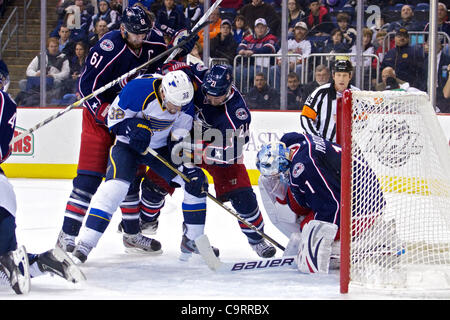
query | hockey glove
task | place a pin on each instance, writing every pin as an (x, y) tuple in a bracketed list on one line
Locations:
[(188, 46), (198, 183), (140, 134), (102, 112)]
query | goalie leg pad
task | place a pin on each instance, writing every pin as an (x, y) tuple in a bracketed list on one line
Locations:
[(315, 252)]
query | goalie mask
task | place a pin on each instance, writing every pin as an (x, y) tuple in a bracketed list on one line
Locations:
[(177, 88), (273, 159)]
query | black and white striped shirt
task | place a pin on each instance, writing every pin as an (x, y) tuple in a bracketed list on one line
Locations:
[(319, 112)]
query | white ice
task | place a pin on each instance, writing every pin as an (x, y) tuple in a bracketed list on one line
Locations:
[(113, 274)]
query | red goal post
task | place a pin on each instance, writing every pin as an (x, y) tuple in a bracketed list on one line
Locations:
[(401, 240)]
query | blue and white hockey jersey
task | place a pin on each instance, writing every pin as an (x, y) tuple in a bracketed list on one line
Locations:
[(8, 113), (232, 119), (109, 59), (139, 99)]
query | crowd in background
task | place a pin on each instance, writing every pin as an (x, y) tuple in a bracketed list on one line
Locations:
[(242, 28)]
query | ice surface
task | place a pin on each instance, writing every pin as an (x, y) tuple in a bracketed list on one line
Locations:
[(113, 274)]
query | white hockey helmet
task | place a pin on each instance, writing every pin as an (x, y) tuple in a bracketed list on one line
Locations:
[(177, 88)]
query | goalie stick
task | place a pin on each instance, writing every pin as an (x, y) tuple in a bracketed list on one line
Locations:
[(112, 83), (210, 196)]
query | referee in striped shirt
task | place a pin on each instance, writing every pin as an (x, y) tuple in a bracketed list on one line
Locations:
[(318, 116)]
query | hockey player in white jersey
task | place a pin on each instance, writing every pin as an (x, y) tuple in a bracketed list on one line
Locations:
[(146, 112), (16, 265)]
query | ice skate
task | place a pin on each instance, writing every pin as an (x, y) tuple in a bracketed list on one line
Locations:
[(146, 228), (66, 242), (264, 249), (56, 261), (141, 244), (82, 251), (14, 269), (188, 247)]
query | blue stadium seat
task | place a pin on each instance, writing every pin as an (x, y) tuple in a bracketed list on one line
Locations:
[(422, 7)]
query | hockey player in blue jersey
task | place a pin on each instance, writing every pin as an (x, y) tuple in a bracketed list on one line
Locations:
[(300, 187), (16, 266), (116, 53), (220, 132), (145, 114)]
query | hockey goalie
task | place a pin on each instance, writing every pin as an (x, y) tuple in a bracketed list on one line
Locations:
[(300, 190)]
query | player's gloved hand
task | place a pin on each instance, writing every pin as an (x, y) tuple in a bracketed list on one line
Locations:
[(167, 30), (140, 134), (188, 46), (198, 185), (102, 112)]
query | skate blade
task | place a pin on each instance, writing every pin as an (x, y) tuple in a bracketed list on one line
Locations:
[(185, 256), (74, 274), (143, 252)]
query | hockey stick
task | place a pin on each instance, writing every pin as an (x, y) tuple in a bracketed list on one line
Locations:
[(110, 84), (210, 196), (215, 264), (200, 22)]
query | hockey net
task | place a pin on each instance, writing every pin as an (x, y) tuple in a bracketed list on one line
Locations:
[(395, 222)]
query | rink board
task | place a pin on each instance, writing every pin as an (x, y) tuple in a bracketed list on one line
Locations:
[(51, 152)]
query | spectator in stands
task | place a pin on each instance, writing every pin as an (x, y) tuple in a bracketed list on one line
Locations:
[(118, 5), (147, 4), (298, 45), (335, 44), (368, 50), (406, 60), (214, 27), (319, 20), (66, 45), (79, 32), (443, 61), (240, 29), (407, 21), (383, 45), (112, 17), (101, 28), (170, 19), (57, 70), (231, 4), (442, 19), (348, 33), (4, 75), (261, 96), (259, 9), (223, 45), (446, 89), (262, 42), (295, 14), (195, 56), (192, 12), (388, 72), (321, 76), (76, 65), (294, 92)]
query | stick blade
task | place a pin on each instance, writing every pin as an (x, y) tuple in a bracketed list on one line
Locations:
[(204, 247)]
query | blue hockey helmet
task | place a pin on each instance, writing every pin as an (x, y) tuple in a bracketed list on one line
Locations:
[(136, 20), (273, 159), (217, 81)]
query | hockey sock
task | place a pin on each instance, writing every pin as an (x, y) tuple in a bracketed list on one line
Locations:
[(194, 219), (152, 200), (130, 214), (84, 187), (244, 202)]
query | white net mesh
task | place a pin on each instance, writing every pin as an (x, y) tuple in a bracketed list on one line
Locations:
[(400, 193)]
